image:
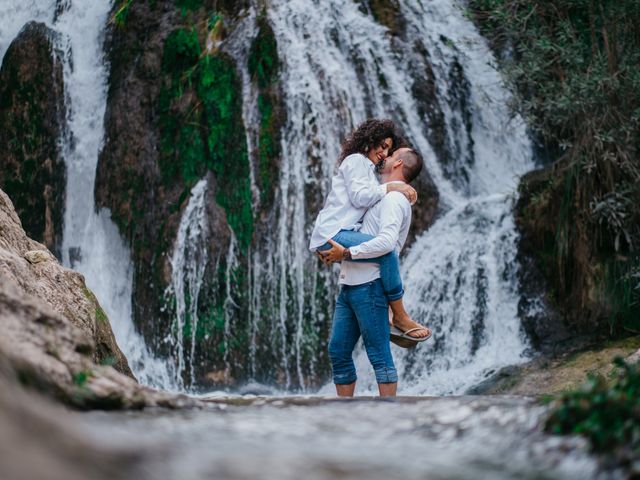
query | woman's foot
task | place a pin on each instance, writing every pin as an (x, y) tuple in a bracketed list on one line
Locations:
[(404, 323)]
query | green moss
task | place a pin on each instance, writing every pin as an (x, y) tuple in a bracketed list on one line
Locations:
[(101, 316), (80, 378), (188, 4), (218, 88), (204, 130), (120, 17)]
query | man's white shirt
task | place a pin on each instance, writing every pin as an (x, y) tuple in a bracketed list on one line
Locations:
[(388, 221), (354, 189)]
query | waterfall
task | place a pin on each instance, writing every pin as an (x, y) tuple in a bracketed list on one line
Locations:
[(339, 66), (92, 244), (342, 67), (188, 264)]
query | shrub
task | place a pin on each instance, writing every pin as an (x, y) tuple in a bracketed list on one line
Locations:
[(606, 412)]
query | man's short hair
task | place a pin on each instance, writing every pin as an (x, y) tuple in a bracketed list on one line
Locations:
[(411, 164)]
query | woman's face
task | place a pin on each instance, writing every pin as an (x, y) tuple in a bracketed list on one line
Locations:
[(378, 153)]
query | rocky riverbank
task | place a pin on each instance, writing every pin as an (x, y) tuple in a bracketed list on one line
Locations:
[(55, 337), (563, 371)]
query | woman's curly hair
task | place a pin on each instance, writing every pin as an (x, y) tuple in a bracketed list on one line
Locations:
[(368, 135)]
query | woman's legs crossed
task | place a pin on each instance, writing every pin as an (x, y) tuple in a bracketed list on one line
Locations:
[(390, 277)]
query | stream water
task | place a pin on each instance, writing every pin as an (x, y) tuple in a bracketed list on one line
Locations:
[(312, 438)]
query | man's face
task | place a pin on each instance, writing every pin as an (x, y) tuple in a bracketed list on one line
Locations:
[(386, 166)]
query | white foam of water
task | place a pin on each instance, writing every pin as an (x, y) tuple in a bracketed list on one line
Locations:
[(322, 47), (188, 264)]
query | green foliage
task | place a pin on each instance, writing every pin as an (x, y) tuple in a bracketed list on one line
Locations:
[(101, 316), (264, 67), (120, 17), (263, 56), (181, 52), (201, 126), (574, 64), (606, 412)]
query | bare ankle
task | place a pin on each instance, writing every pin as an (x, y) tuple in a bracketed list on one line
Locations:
[(397, 307)]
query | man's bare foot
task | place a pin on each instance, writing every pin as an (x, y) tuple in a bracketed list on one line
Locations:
[(404, 323)]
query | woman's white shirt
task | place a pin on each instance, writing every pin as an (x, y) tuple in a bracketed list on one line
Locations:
[(354, 189)]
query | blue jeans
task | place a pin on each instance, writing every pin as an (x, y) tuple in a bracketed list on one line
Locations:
[(389, 263), (361, 310)]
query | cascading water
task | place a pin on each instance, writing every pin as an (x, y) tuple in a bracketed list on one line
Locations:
[(91, 242), (340, 68), (188, 264)]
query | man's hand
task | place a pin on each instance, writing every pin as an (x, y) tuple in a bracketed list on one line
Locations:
[(334, 254), (407, 190)]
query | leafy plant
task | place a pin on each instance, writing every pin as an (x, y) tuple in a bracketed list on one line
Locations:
[(606, 412)]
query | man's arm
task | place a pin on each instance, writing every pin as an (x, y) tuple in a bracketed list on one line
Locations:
[(391, 218)]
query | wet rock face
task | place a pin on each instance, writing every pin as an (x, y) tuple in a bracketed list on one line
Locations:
[(572, 285), (41, 440), (32, 119)]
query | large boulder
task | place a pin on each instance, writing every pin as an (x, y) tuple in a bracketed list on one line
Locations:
[(32, 120), (39, 439), (53, 332)]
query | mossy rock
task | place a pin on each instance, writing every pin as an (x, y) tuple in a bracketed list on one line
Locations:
[(32, 121)]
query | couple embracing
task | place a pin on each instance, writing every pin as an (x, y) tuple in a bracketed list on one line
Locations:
[(364, 224)]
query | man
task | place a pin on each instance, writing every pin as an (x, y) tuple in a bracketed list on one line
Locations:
[(361, 307)]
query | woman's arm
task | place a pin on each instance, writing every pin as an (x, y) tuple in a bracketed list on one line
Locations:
[(365, 191)]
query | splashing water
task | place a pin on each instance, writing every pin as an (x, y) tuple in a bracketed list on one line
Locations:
[(188, 265), (461, 276)]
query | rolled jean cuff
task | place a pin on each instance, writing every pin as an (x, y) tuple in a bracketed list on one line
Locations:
[(393, 296), (345, 379), (386, 375)]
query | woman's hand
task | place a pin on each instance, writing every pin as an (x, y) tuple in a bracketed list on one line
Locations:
[(407, 190), (334, 254)]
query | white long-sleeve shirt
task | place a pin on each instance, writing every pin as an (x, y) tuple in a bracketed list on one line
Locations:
[(354, 189), (389, 221)]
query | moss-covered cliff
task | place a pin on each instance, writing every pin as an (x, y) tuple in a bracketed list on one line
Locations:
[(32, 121), (175, 116), (574, 65)]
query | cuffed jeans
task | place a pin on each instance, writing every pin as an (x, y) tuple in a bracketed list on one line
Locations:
[(361, 310), (389, 263)]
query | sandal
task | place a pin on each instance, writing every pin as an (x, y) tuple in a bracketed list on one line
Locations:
[(404, 340)]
